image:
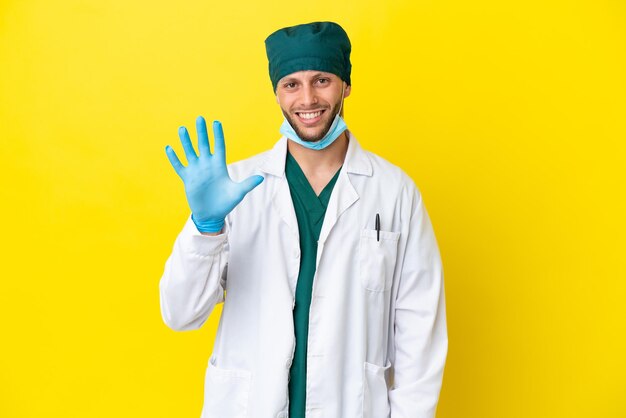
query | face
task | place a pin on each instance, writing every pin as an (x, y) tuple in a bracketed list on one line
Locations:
[(310, 100)]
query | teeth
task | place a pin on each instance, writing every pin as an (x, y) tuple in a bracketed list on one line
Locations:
[(310, 115)]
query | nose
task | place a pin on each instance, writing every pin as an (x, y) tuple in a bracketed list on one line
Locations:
[(308, 97)]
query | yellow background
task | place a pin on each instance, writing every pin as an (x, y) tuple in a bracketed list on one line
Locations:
[(509, 115)]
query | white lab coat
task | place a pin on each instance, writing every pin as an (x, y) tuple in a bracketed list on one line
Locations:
[(377, 340)]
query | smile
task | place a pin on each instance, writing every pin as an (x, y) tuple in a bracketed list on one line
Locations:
[(309, 118)]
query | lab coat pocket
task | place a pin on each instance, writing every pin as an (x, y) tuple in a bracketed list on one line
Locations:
[(226, 392), (377, 258), (375, 391)]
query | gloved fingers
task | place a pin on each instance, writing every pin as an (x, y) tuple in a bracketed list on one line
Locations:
[(218, 134), (190, 153), (250, 183), (171, 155), (203, 137)]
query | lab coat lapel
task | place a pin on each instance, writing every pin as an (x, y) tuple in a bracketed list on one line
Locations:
[(344, 194), (274, 164), (282, 203)]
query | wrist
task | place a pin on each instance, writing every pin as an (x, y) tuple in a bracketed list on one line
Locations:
[(208, 226), (212, 234)]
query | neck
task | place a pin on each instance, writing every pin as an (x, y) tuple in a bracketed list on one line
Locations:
[(318, 162)]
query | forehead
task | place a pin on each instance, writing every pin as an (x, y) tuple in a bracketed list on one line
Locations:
[(306, 75)]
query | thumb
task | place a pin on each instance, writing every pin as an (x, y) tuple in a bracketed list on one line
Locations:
[(250, 183)]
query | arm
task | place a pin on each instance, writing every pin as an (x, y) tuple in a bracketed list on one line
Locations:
[(194, 278), (421, 340)]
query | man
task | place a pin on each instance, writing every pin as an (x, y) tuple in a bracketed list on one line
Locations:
[(322, 253)]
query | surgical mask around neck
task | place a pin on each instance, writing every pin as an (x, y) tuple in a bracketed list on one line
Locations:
[(336, 129)]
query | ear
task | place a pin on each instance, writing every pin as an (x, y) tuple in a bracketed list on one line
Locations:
[(346, 91)]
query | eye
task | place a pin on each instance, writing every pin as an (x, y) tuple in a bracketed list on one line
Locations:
[(289, 85), (323, 80)]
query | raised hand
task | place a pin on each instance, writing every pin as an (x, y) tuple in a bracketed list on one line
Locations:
[(211, 193)]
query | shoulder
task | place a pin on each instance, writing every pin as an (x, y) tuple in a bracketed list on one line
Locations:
[(392, 176), (242, 169)]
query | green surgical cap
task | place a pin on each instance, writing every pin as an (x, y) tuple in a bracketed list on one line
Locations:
[(320, 46)]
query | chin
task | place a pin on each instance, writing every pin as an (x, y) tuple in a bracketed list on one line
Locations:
[(313, 138), (313, 134)]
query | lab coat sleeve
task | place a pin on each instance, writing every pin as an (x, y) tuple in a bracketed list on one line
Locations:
[(194, 278), (420, 331)]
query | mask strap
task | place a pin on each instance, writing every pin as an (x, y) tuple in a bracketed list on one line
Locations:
[(341, 105)]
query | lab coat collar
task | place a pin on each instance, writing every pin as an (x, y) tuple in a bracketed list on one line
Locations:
[(356, 160)]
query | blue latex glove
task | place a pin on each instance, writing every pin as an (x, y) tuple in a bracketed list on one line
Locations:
[(211, 193)]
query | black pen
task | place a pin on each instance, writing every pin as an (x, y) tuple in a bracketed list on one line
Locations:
[(377, 227)]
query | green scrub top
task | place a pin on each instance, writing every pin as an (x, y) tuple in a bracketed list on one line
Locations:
[(310, 210)]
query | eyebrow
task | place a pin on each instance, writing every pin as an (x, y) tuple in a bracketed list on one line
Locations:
[(290, 79)]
